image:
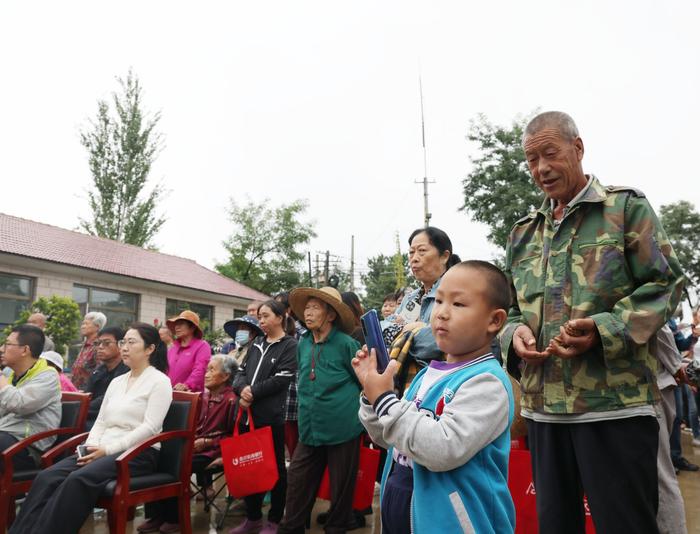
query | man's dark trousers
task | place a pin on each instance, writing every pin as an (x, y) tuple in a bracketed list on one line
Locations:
[(612, 461), (304, 478)]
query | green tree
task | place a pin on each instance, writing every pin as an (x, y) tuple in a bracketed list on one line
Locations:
[(264, 248), (682, 224), (62, 320), (499, 190), (381, 279), (122, 144)]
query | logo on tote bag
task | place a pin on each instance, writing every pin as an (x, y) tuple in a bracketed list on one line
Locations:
[(247, 459)]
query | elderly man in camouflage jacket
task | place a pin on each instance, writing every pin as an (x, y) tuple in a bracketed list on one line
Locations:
[(594, 277)]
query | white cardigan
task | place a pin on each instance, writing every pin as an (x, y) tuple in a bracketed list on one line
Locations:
[(127, 418)]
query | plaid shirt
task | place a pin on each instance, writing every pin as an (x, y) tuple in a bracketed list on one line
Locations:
[(291, 406)]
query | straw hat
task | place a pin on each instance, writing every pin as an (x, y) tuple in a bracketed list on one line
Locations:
[(330, 295), (189, 316)]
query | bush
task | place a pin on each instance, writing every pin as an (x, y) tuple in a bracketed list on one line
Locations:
[(62, 320)]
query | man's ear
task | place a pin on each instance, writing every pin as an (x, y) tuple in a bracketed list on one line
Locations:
[(498, 319), (578, 146)]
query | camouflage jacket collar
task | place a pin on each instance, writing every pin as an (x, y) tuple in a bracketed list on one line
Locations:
[(595, 192)]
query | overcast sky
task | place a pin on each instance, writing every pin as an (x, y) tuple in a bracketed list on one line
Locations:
[(319, 100)]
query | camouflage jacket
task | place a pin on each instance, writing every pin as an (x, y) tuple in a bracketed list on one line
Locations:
[(608, 259)]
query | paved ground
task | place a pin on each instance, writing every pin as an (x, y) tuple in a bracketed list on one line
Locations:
[(690, 486)]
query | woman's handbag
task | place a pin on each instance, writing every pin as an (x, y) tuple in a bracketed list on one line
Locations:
[(250, 465)]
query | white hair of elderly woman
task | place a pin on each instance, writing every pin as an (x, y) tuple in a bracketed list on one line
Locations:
[(99, 319), (228, 364)]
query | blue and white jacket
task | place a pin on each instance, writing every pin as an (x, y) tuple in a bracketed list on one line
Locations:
[(456, 437)]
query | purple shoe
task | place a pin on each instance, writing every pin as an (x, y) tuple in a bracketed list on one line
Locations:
[(269, 528), (247, 527)]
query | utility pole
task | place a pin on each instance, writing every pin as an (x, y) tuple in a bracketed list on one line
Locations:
[(311, 280), (398, 265), (326, 268), (352, 263), (318, 273), (426, 212)]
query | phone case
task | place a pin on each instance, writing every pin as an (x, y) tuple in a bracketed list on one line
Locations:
[(373, 338)]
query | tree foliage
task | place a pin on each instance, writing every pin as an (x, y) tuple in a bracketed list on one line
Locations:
[(264, 248), (122, 144), (62, 320), (381, 279), (682, 224), (499, 190)]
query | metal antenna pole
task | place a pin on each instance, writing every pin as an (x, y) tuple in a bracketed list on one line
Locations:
[(352, 264), (426, 212)]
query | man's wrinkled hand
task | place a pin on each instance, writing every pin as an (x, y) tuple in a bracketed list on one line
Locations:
[(525, 346), (576, 337)]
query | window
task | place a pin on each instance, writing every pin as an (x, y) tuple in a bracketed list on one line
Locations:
[(206, 313), (237, 314), (16, 294), (120, 308)]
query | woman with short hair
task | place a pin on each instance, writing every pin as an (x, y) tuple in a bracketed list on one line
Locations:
[(62, 497), (86, 361)]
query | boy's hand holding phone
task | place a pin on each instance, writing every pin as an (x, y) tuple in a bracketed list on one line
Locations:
[(373, 383)]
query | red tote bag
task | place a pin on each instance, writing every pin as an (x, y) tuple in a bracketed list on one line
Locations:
[(250, 465), (364, 483)]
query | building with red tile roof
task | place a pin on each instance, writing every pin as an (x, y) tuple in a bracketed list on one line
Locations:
[(126, 282)]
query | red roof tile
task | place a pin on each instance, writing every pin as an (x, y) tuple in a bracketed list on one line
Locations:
[(45, 242)]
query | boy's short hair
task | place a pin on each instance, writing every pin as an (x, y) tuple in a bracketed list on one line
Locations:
[(390, 296), (499, 293)]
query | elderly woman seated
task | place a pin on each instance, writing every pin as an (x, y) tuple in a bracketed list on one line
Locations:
[(214, 423)]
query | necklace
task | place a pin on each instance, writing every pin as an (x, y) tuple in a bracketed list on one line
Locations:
[(312, 373)]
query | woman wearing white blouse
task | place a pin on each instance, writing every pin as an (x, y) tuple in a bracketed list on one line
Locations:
[(134, 407)]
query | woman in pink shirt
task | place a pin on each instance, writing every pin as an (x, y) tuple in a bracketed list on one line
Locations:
[(189, 354)]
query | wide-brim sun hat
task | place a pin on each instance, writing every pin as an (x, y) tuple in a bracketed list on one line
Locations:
[(331, 296), (188, 316), (230, 327)]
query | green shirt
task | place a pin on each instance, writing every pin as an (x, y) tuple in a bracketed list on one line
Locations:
[(328, 404), (608, 259)]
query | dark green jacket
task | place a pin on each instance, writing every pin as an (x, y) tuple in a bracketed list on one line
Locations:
[(329, 404), (608, 259)]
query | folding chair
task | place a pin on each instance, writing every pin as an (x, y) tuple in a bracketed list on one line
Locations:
[(216, 472)]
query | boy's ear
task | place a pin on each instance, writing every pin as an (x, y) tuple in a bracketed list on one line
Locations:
[(498, 319)]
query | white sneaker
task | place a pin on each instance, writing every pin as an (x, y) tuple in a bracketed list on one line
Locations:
[(696, 442)]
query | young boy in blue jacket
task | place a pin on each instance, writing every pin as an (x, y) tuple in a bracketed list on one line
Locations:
[(448, 439)]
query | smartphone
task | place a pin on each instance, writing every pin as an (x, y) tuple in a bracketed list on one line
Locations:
[(82, 451), (373, 338)]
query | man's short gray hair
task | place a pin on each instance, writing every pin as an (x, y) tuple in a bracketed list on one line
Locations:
[(99, 319), (228, 364), (552, 119)]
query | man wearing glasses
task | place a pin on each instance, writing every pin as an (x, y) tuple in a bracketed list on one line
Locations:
[(30, 397), (110, 366)]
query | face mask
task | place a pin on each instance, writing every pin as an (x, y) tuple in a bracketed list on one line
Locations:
[(242, 337)]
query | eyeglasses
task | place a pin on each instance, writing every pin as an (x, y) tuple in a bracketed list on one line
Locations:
[(13, 344), (104, 343), (124, 342)]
